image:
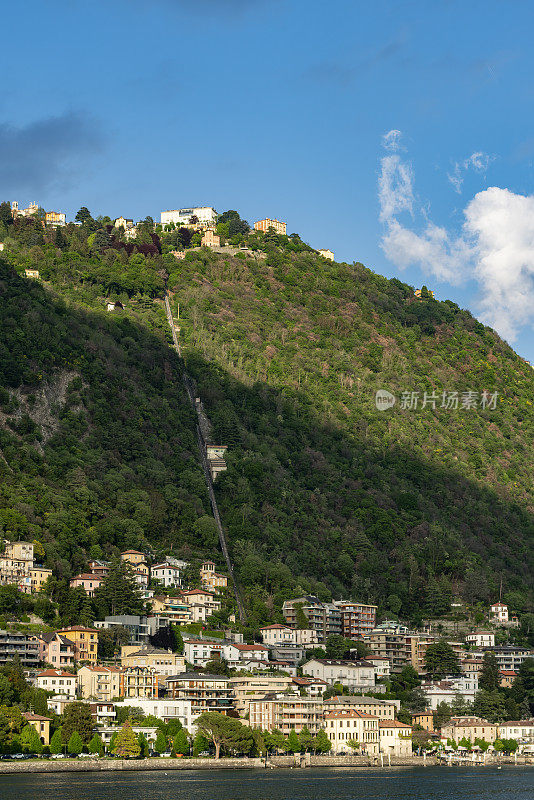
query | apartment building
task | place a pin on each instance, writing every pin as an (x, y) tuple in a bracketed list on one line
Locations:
[(382, 709), (16, 563), (275, 635), (25, 647), (235, 653), (286, 712), (425, 719), (470, 728), (85, 641), (38, 578), (265, 224), (137, 626), (163, 708), (323, 618), (56, 650), (510, 657), (521, 730), (359, 675), (343, 727), (447, 690), (138, 682), (57, 681), (98, 683), (202, 597), (206, 216), (393, 644), (248, 688), (357, 619), (206, 692), (163, 662), (395, 738)]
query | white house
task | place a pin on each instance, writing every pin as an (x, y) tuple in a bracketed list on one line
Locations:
[(200, 651), (447, 690), (343, 727), (481, 639), (167, 574), (206, 216), (381, 664), (354, 674), (395, 738), (166, 709), (278, 634), (521, 730), (234, 653), (57, 681), (499, 613)]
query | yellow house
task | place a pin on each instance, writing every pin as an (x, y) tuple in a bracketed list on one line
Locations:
[(100, 683), (344, 727), (134, 557), (164, 662), (41, 725), (85, 641), (38, 577), (210, 578)]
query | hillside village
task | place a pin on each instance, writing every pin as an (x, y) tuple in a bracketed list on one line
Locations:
[(161, 640)]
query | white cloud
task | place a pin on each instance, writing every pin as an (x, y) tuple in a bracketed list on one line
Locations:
[(477, 161), (391, 140), (495, 245)]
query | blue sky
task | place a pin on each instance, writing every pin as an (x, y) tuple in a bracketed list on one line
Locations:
[(279, 108)]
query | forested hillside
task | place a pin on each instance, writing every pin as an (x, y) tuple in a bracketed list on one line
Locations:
[(323, 492)]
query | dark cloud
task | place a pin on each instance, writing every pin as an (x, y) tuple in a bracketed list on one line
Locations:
[(47, 152), (334, 72)]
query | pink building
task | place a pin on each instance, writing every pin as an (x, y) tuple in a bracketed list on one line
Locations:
[(56, 650), (90, 583), (211, 239)]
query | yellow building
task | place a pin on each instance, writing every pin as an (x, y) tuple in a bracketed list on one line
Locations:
[(99, 683), (327, 254), (210, 578), (248, 688), (470, 728), (164, 662), (395, 738), (85, 641), (55, 218), (38, 577), (41, 725), (134, 557)]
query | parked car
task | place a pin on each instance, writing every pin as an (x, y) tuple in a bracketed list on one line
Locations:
[(57, 755)]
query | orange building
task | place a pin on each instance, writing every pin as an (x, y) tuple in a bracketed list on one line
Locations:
[(265, 224)]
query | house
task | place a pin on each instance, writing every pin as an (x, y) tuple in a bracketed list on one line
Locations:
[(85, 641), (395, 738), (210, 578), (326, 254), (99, 568), (354, 674), (210, 238), (235, 653), (481, 639), (246, 688), (163, 662), (499, 613), (381, 665), (55, 218), (470, 728), (16, 564), (32, 273), (206, 692), (418, 293), (141, 575), (199, 651), (167, 574), (260, 665), (111, 305), (344, 727), (313, 687), (58, 703), (41, 725), (286, 712), (122, 222), (521, 730), (507, 677), (291, 654), (89, 583), (277, 634), (57, 681), (167, 610), (382, 709), (265, 224), (205, 217), (38, 578), (98, 683), (166, 709), (425, 719), (106, 733), (445, 691), (202, 597), (56, 650), (103, 713), (134, 557)]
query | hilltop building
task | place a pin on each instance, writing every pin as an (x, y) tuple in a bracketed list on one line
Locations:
[(326, 254), (206, 217), (275, 224)]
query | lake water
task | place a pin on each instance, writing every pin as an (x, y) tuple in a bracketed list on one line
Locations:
[(430, 783)]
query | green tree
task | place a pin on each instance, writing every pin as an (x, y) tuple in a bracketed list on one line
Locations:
[(201, 744), (440, 659), (322, 743), (181, 743), (161, 743), (225, 732), (490, 706), (143, 744), (489, 674), (293, 742), (75, 744), (96, 745), (56, 742), (77, 717), (305, 739), (354, 744), (119, 592), (126, 744)]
